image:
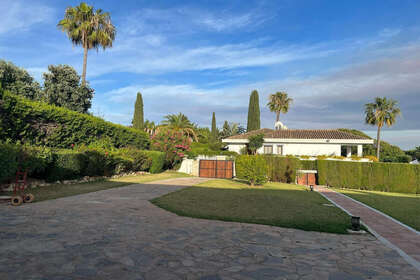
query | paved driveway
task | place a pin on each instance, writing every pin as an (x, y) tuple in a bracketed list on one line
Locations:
[(119, 234)]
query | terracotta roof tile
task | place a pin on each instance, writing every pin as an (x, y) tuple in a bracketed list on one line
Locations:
[(300, 134)]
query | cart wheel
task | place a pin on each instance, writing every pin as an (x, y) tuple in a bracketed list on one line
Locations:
[(16, 200), (28, 198)]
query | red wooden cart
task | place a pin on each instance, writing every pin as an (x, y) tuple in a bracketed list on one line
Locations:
[(19, 194)]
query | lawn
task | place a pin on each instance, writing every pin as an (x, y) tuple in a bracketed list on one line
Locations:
[(275, 204), (403, 207), (61, 190)]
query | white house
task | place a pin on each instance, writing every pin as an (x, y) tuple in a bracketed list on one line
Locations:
[(301, 142)]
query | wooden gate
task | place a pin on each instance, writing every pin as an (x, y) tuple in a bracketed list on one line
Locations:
[(216, 168)]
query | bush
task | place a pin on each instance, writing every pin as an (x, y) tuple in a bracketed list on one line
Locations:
[(38, 123), (282, 169), (253, 169), (174, 144), (158, 161), (389, 177)]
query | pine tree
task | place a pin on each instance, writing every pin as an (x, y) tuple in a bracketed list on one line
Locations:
[(214, 132), (253, 112), (138, 118)]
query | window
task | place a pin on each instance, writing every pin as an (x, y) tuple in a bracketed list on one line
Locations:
[(268, 149), (280, 150)]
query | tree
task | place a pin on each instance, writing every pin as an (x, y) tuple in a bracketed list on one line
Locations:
[(382, 111), (150, 127), (18, 81), (214, 132), (62, 88), (279, 103), (253, 112), (89, 28), (180, 122), (255, 142), (138, 118), (229, 129)]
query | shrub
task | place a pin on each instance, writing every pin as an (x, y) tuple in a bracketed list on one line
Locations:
[(38, 123), (253, 169), (282, 169), (158, 161)]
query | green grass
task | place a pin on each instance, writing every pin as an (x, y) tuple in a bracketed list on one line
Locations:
[(275, 204), (403, 207), (60, 190)]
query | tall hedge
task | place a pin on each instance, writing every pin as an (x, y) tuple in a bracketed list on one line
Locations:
[(42, 124), (282, 169), (389, 177)]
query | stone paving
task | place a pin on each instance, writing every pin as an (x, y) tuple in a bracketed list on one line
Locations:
[(406, 239), (119, 234)]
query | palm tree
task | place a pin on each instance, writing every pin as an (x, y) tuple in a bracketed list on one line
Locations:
[(180, 122), (150, 127), (88, 28), (382, 111), (279, 103)]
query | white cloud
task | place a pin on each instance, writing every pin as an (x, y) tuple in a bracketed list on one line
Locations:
[(329, 100), (19, 16)]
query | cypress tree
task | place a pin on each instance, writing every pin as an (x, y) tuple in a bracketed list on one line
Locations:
[(214, 133), (253, 112), (138, 118)]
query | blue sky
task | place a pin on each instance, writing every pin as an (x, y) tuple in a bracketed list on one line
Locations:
[(197, 57)]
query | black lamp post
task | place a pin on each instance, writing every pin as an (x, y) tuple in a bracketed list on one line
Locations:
[(355, 223)]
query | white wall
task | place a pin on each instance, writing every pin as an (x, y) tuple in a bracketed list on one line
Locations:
[(236, 147), (297, 149)]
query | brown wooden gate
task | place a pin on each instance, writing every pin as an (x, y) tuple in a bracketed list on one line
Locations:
[(216, 168)]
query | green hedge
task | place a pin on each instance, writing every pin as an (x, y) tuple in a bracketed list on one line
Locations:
[(66, 164), (309, 164), (41, 124), (389, 177), (253, 169), (282, 169)]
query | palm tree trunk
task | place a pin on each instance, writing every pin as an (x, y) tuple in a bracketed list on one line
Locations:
[(84, 65), (378, 142), (277, 116)]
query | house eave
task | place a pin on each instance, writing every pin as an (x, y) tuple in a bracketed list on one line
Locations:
[(305, 141)]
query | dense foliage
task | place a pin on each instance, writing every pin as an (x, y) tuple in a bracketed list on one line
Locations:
[(138, 118), (253, 169), (63, 164), (173, 143), (62, 88), (282, 169), (253, 112), (18, 80), (390, 177), (42, 124), (415, 153)]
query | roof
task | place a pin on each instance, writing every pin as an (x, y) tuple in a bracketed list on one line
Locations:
[(301, 134)]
